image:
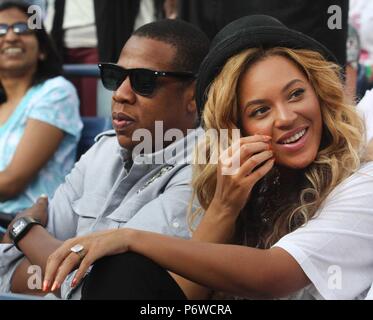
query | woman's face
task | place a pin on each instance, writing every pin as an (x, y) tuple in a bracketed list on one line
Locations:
[(19, 54), (277, 100)]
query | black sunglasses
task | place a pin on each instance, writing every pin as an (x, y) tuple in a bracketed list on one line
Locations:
[(19, 28), (143, 81)]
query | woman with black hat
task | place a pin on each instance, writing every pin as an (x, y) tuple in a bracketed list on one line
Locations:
[(295, 220)]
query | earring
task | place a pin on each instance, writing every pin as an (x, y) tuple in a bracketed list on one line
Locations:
[(42, 57)]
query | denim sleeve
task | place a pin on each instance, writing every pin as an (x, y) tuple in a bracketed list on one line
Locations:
[(10, 259)]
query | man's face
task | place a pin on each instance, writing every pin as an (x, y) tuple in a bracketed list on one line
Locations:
[(169, 103)]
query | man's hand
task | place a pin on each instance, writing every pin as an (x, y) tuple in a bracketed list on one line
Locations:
[(38, 211)]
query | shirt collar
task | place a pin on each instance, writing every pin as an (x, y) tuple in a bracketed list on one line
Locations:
[(178, 152)]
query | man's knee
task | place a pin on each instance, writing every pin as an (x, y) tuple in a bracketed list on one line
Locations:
[(129, 276)]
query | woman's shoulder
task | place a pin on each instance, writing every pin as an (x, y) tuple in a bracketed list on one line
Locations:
[(366, 167), (359, 184), (54, 92), (58, 82), (365, 172)]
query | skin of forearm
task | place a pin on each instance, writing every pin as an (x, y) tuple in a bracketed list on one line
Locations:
[(238, 270), (37, 245), (20, 279), (9, 186), (217, 226), (4, 192)]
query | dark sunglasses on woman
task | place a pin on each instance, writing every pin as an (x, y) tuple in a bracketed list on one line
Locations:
[(143, 81), (19, 28)]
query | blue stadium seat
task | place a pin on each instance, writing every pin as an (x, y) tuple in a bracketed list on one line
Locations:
[(5, 219), (2, 232), (92, 126)]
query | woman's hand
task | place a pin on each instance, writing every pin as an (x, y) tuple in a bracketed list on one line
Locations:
[(238, 173), (96, 245)]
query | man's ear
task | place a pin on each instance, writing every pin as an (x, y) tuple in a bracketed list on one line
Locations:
[(192, 106), (190, 96)]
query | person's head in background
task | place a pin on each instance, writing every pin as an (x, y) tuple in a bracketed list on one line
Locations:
[(143, 98), (276, 82), (26, 55)]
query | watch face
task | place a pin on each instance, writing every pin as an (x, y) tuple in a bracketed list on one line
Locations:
[(19, 226)]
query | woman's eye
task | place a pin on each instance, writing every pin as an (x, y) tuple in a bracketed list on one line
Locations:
[(259, 111), (296, 94)]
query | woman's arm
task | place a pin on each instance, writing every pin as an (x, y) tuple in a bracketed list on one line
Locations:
[(38, 144), (217, 226), (218, 222), (239, 270)]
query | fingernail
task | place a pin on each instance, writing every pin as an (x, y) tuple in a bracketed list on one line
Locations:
[(267, 138), (43, 196), (73, 283), (55, 286), (45, 285)]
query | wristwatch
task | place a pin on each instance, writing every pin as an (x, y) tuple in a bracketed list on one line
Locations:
[(20, 228)]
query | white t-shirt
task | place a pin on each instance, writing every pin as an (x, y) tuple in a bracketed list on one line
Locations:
[(335, 249), (146, 13), (78, 23), (365, 108)]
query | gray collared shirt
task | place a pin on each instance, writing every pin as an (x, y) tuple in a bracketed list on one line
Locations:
[(104, 191)]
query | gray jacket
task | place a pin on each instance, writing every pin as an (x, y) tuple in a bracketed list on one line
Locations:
[(104, 191)]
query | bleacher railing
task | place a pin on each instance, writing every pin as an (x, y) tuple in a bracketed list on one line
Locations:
[(81, 70)]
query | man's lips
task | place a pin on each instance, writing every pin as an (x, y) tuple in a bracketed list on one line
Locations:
[(121, 116), (121, 120)]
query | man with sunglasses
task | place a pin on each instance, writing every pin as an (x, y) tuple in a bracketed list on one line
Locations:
[(111, 187)]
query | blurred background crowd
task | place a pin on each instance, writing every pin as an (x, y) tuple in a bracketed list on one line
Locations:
[(89, 31)]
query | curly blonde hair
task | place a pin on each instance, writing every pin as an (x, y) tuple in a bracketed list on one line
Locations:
[(337, 158)]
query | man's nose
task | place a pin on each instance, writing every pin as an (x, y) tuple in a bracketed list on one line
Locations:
[(125, 93)]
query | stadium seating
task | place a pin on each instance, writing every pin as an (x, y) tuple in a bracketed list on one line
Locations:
[(92, 127)]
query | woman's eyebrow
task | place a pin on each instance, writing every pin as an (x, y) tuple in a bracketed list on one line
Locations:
[(252, 103), (290, 84)]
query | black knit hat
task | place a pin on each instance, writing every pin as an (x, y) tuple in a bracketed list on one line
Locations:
[(250, 32)]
